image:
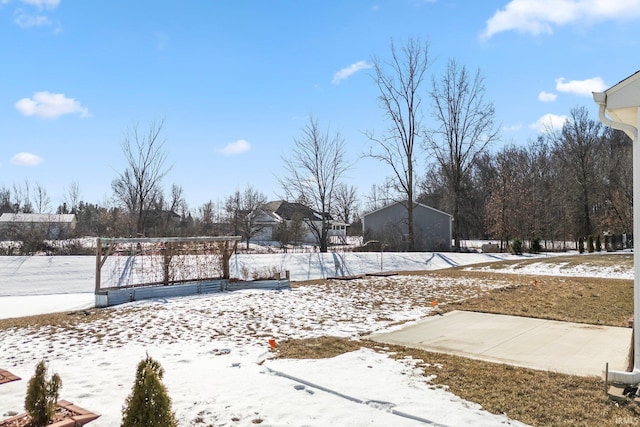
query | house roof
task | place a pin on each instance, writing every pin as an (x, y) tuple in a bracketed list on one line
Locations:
[(400, 203), (621, 102), (36, 217), (281, 209)]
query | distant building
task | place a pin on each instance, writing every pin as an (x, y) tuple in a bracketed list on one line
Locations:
[(272, 215), (53, 226), (389, 225)]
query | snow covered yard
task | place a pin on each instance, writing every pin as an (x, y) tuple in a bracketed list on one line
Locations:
[(615, 265), (210, 347)]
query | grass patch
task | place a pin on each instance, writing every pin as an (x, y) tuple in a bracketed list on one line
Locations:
[(606, 260), (63, 320), (316, 348), (595, 301)]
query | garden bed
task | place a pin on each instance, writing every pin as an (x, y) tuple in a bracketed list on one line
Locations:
[(67, 415)]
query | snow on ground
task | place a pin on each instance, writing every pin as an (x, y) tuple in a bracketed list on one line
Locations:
[(546, 267), (209, 347), (34, 279)]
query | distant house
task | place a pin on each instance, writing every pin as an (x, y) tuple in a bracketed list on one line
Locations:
[(389, 225), (53, 226), (270, 216)]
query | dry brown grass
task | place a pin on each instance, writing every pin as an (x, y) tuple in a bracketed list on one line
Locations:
[(57, 320), (624, 260), (316, 348), (590, 300), (537, 398), (534, 397)]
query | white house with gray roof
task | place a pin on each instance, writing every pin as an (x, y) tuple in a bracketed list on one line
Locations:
[(54, 226)]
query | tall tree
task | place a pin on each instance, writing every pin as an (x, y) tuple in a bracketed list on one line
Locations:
[(5, 200), (399, 82), (579, 147), (465, 127), (22, 198), (41, 200), (241, 209), (618, 182), (141, 182), (346, 203), (314, 170), (72, 196)]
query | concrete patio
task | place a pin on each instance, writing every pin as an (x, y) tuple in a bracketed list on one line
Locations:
[(570, 348)]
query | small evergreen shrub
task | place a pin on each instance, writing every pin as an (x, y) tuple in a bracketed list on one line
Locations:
[(598, 243), (590, 246), (516, 247), (581, 245), (42, 396), (535, 248), (148, 405)]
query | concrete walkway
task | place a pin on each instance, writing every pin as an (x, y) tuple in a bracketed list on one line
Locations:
[(570, 348)]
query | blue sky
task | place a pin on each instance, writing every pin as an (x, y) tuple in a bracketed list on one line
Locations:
[(236, 81)]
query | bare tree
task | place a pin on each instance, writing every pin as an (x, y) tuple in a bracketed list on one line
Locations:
[(465, 127), (41, 200), (140, 184), (580, 147), (5, 200), (167, 213), (208, 218), (22, 198), (72, 197), (399, 81), (315, 168), (241, 209), (346, 203), (619, 188)]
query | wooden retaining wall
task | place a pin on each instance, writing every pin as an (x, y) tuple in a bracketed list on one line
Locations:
[(114, 296)]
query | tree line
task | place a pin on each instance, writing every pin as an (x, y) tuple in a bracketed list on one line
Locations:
[(565, 185)]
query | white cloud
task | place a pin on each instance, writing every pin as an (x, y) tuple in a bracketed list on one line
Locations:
[(237, 147), (26, 159), (24, 20), (42, 4), (349, 71), (549, 122), (547, 97), (541, 16), (581, 87), (48, 105)]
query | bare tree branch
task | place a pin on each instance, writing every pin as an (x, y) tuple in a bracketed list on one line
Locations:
[(315, 167), (399, 81)]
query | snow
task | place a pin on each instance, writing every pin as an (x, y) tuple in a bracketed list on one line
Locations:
[(214, 348), (583, 269)]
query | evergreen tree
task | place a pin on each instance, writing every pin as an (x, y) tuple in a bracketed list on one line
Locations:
[(516, 247), (148, 405), (581, 245), (42, 396), (598, 243), (536, 248), (590, 246)]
